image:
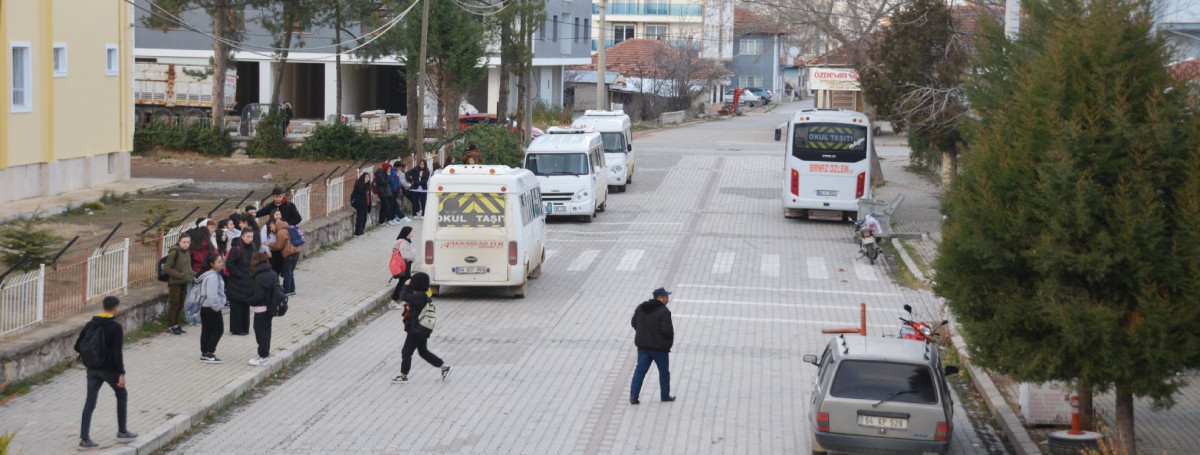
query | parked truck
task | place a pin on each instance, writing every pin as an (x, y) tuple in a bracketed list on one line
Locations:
[(171, 92)]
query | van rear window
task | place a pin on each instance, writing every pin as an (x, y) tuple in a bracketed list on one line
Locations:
[(873, 380), (830, 142), (471, 210)]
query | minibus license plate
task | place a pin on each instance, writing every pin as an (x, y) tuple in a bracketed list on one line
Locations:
[(471, 270), (826, 192), (883, 422)]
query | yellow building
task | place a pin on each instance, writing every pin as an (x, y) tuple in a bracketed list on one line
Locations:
[(67, 118)]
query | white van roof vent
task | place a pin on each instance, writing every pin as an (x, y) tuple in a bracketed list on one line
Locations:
[(568, 130)]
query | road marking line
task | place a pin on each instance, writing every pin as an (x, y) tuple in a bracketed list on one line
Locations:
[(629, 262), (723, 264), (636, 223), (832, 324), (865, 271), (583, 261), (770, 265), (763, 288), (783, 305), (549, 254), (816, 268)]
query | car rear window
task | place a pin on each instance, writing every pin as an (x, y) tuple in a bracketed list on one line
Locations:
[(869, 380)]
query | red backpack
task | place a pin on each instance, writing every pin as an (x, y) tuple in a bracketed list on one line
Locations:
[(397, 265)]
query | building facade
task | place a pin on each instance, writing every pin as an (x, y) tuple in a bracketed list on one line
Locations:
[(68, 118), (680, 23), (757, 52)]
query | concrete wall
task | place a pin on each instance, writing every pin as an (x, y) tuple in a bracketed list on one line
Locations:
[(53, 343)]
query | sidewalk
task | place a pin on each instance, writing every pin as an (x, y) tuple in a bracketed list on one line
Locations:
[(53, 205), (170, 390), (1175, 430)]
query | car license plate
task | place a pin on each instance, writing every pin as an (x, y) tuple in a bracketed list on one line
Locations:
[(471, 270), (827, 192), (868, 240), (883, 422)]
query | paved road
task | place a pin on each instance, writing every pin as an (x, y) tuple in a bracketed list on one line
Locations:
[(550, 373)]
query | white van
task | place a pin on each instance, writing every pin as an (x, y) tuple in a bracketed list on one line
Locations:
[(569, 163), (617, 133), (484, 226)]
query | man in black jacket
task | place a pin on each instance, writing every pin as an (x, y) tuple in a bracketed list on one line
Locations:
[(654, 337), (279, 201), (111, 372)]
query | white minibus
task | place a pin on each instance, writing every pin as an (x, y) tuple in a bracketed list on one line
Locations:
[(483, 226), (827, 163), (569, 163), (617, 133)]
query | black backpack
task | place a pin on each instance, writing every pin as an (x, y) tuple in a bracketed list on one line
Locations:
[(93, 351), (162, 267), (279, 302)]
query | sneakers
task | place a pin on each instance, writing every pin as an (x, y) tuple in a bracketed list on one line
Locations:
[(445, 371), (126, 436), (402, 379), (634, 401), (176, 331), (86, 444), (210, 359), (394, 306), (669, 399), (406, 220), (259, 361)]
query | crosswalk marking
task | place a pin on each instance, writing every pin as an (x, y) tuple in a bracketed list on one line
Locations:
[(816, 268), (549, 254), (723, 264), (629, 262), (770, 265), (865, 272), (583, 261)]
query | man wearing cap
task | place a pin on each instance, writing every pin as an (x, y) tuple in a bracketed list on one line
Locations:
[(280, 202), (654, 337)]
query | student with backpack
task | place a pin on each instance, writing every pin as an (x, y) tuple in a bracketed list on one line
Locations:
[(419, 318), (178, 268), (289, 252), (208, 299), (400, 265), (266, 298), (99, 346), (237, 282)]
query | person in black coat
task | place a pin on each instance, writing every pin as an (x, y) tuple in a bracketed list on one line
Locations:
[(279, 201), (237, 283), (264, 285), (415, 296), (111, 372), (654, 337), (360, 199)]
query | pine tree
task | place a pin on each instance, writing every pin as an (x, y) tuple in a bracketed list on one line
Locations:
[(25, 239), (1070, 249)]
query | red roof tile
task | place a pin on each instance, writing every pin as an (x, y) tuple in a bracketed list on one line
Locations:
[(640, 57), (748, 22)]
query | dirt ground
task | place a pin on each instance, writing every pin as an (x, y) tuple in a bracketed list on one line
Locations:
[(247, 170)]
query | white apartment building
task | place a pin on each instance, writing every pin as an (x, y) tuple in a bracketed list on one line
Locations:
[(702, 25)]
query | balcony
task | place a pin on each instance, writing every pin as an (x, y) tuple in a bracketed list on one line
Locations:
[(681, 44), (650, 9)]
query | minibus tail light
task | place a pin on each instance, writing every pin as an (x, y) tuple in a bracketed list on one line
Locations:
[(429, 251), (823, 422), (862, 185), (795, 182), (943, 432), (512, 252)]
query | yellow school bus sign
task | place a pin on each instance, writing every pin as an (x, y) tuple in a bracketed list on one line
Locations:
[(471, 210)]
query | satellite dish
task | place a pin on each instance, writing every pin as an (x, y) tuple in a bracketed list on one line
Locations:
[(794, 51)]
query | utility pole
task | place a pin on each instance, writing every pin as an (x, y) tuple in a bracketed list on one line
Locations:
[(419, 151), (600, 91)]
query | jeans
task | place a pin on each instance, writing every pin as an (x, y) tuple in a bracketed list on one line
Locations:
[(385, 209), (96, 378), (239, 318), (175, 295), (418, 200), (262, 333), (421, 345), (289, 273), (212, 326), (360, 221), (660, 358)]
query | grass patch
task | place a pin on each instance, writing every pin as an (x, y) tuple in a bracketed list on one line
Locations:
[(153, 327), (907, 278), (25, 385)]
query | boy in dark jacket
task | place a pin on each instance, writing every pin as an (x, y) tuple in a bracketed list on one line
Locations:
[(383, 188), (415, 296), (654, 337), (111, 372), (279, 201)]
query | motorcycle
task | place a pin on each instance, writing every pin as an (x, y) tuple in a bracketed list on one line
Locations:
[(918, 330), (865, 232)]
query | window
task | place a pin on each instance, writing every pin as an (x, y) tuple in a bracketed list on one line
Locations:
[(614, 142), (112, 60), (575, 36), (658, 32), (750, 81), (60, 59), (751, 47), (873, 380), (554, 35), (829, 142), (21, 77), (302, 27), (542, 33), (587, 29), (622, 32)]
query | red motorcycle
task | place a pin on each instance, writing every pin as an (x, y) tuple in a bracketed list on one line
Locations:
[(918, 330)]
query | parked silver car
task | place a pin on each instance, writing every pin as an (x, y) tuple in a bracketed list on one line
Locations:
[(875, 395)]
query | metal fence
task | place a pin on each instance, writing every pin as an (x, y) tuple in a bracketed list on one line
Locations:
[(21, 300), (334, 189), (301, 199), (108, 270)]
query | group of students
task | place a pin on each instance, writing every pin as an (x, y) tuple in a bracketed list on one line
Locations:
[(395, 182), (233, 264)]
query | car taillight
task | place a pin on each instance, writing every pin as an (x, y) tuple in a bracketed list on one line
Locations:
[(512, 252), (943, 432), (429, 251), (823, 422), (862, 183), (795, 182)]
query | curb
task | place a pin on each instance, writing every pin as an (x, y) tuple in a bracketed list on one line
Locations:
[(153, 440), (1011, 424)]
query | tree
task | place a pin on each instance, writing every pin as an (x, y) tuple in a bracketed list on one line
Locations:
[(25, 239), (1069, 251), (913, 74), (284, 20)]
